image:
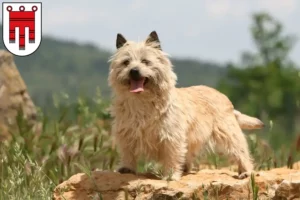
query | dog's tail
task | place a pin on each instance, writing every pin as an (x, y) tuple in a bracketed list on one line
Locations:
[(247, 122)]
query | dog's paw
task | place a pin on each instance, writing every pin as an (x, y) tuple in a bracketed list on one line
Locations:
[(174, 177), (243, 175), (125, 170), (186, 168), (246, 175)]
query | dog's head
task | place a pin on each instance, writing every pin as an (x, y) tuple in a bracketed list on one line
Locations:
[(140, 67)]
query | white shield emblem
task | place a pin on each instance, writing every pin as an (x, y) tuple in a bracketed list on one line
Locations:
[(22, 27)]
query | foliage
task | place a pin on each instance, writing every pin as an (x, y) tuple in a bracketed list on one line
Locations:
[(266, 84)]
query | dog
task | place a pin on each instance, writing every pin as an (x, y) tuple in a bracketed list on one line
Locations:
[(155, 119)]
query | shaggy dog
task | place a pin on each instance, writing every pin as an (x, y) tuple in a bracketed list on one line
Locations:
[(154, 119)]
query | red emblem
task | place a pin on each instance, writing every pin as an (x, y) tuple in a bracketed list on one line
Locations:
[(21, 16)]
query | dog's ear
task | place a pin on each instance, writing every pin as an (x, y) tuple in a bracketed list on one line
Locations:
[(120, 41), (153, 39)]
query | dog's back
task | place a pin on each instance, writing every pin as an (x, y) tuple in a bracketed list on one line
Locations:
[(216, 102)]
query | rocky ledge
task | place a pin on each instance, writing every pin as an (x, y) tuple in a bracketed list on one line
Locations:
[(279, 183)]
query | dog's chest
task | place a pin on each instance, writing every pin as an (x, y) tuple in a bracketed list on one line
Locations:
[(137, 113), (140, 126), (141, 136), (137, 124)]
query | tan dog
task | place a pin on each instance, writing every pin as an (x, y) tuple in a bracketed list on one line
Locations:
[(154, 119)]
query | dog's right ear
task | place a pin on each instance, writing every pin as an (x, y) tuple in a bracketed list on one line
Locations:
[(120, 41)]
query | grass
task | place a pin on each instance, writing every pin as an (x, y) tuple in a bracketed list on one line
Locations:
[(254, 187), (77, 139), (34, 161)]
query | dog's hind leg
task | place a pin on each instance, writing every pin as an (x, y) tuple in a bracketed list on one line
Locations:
[(188, 163), (193, 150), (229, 136)]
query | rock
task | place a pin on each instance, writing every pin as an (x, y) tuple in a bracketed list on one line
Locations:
[(280, 183), (13, 93)]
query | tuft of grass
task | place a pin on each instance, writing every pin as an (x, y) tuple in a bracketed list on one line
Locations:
[(204, 193), (254, 187)]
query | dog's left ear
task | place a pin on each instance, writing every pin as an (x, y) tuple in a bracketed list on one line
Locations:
[(153, 39), (120, 40)]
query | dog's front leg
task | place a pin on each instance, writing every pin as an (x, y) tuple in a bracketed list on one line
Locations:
[(128, 159), (173, 158)]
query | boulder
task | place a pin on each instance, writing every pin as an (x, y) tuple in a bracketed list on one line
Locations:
[(279, 183), (14, 96)]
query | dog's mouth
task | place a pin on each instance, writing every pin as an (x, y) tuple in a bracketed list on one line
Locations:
[(137, 86)]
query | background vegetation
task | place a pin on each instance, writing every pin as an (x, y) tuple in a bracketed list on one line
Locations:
[(74, 135)]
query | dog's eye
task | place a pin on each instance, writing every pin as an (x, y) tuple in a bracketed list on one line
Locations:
[(146, 62), (126, 62)]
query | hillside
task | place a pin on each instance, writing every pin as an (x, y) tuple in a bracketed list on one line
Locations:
[(60, 65)]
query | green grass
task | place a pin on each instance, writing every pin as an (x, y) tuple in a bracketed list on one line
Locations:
[(78, 139)]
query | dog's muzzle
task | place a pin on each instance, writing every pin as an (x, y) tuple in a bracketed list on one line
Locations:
[(137, 81)]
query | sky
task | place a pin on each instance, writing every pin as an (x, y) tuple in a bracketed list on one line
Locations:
[(210, 30)]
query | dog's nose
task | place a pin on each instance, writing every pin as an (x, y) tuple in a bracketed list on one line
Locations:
[(135, 73)]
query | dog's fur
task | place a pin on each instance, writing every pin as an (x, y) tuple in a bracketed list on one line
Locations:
[(168, 124)]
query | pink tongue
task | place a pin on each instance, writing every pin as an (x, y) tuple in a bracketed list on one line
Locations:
[(137, 86)]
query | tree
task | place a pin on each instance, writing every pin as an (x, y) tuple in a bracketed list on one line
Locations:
[(266, 81)]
